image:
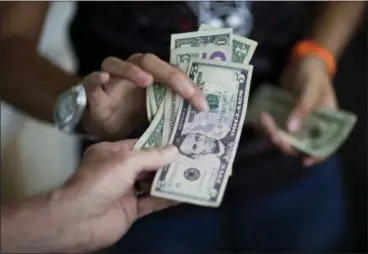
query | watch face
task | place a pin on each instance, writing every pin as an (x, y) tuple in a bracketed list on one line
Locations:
[(70, 108), (66, 108)]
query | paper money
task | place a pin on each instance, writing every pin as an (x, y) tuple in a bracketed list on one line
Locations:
[(204, 27), (207, 43), (323, 131), (243, 48), (218, 37), (207, 141), (154, 97), (152, 137), (181, 57)]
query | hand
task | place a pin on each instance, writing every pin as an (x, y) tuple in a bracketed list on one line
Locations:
[(310, 82), (116, 95), (101, 192)]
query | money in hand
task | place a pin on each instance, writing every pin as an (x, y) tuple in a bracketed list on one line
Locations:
[(217, 61), (323, 131), (207, 141)]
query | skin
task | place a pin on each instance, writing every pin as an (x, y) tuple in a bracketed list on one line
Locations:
[(116, 94), (75, 217), (116, 97), (308, 78), (93, 210)]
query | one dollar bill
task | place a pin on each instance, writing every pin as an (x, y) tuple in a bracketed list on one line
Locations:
[(207, 141), (322, 132), (242, 48)]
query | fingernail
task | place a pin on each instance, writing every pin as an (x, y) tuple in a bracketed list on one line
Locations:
[(203, 104), (187, 89), (170, 151), (294, 125), (144, 78), (105, 76)]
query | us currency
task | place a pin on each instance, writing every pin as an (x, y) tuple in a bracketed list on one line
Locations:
[(152, 137), (323, 131), (181, 57), (242, 48), (219, 37), (154, 97), (207, 141)]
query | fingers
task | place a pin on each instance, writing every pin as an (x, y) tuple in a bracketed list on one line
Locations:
[(93, 84), (125, 145), (303, 108), (147, 205), (146, 176), (269, 128), (142, 69), (310, 161), (177, 80), (150, 159), (127, 70)]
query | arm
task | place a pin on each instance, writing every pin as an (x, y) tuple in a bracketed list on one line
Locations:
[(28, 81), (336, 24), (45, 223), (83, 215)]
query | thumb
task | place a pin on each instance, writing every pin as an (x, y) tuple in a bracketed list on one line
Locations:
[(302, 108), (151, 159), (93, 84)]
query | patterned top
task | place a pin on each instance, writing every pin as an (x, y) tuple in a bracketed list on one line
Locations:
[(102, 29)]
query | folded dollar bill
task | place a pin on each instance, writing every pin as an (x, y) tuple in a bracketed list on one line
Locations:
[(323, 131), (217, 61)]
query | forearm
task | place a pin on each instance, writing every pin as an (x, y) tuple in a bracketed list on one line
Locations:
[(29, 81), (46, 223), (336, 24)]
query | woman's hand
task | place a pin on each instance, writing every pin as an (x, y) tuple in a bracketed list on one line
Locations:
[(309, 80), (116, 94)]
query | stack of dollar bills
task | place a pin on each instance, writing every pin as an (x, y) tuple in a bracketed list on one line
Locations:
[(218, 62)]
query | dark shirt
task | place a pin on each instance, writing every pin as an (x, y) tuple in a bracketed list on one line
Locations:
[(103, 29)]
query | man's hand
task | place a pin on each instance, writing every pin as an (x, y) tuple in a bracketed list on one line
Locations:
[(94, 209), (309, 80), (102, 190), (116, 95)]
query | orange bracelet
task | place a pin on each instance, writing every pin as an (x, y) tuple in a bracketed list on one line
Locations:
[(309, 47)]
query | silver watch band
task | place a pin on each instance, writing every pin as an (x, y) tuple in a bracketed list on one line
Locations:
[(70, 108), (69, 111)]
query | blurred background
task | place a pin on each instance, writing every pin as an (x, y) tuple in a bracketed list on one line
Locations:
[(36, 157)]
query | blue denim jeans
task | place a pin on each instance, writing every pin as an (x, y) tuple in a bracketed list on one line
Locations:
[(307, 214)]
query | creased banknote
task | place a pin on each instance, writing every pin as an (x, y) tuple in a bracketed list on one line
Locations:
[(155, 96), (181, 57), (242, 48), (218, 37), (322, 132), (207, 141), (152, 137)]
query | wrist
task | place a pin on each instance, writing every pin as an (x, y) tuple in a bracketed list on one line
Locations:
[(63, 206), (310, 48)]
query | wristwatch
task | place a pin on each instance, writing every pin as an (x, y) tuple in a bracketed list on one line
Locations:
[(70, 108)]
